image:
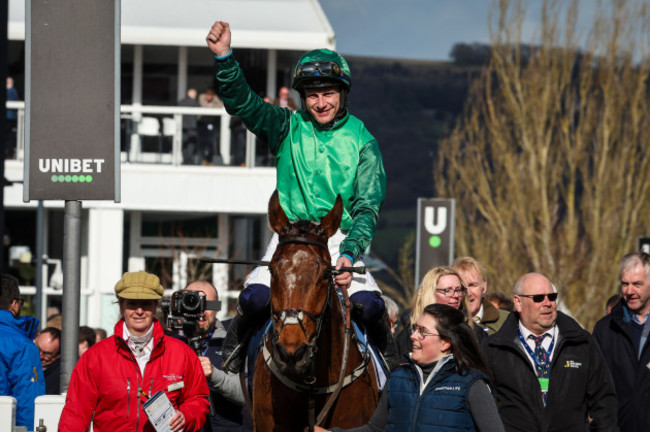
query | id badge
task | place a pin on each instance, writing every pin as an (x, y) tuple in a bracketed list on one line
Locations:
[(175, 386), (543, 383)]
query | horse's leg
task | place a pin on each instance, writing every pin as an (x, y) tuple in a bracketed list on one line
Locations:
[(262, 399)]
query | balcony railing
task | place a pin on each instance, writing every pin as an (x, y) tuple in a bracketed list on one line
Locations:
[(158, 134)]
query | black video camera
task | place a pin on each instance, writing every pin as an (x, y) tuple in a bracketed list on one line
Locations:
[(185, 308)]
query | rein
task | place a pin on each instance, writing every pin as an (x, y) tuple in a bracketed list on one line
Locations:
[(344, 366), (333, 389), (358, 270), (296, 316)]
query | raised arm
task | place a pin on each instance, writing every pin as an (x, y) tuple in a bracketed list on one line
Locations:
[(270, 123)]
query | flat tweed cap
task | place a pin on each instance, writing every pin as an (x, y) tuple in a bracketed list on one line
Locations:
[(139, 285)]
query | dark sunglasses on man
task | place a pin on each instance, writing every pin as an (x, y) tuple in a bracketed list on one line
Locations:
[(538, 298)]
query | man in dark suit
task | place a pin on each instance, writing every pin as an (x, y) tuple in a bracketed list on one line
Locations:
[(623, 337), (549, 374)]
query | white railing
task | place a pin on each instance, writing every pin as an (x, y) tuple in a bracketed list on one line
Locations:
[(154, 134)]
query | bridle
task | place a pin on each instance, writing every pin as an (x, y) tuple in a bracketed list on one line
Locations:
[(296, 316), (293, 316)]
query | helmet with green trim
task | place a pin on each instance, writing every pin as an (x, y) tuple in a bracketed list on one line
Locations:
[(321, 68)]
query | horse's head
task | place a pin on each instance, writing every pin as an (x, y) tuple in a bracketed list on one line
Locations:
[(300, 285)]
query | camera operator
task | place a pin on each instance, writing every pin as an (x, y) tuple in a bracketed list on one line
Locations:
[(225, 387)]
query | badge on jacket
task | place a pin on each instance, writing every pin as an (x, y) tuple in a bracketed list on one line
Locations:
[(175, 386)]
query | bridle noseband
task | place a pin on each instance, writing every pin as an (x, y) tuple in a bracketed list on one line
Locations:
[(293, 316)]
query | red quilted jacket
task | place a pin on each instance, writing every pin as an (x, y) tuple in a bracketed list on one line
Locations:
[(107, 382)]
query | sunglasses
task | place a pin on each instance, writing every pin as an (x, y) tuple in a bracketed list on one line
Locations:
[(319, 69), (538, 298)]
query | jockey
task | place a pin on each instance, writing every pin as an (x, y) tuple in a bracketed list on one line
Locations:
[(322, 151)]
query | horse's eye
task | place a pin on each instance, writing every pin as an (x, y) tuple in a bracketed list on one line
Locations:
[(327, 272), (276, 267)]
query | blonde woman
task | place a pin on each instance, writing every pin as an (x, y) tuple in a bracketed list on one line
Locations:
[(441, 285)]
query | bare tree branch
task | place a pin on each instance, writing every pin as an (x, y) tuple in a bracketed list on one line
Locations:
[(550, 163)]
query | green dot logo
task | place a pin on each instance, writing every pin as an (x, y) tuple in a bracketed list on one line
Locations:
[(60, 178), (435, 241)]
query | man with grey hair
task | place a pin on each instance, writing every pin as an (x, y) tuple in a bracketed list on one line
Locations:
[(392, 312), (548, 372), (483, 312), (623, 337)]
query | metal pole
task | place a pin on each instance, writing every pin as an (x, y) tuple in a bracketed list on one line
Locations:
[(71, 290), (38, 298), (4, 49)]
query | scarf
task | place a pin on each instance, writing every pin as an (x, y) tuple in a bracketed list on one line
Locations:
[(139, 343)]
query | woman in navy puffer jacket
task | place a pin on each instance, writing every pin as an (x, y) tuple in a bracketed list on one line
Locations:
[(444, 386)]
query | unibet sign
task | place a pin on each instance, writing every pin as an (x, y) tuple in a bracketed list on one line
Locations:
[(69, 169), (72, 101), (435, 235), (70, 165)]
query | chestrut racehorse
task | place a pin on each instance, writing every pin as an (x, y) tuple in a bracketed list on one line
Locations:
[(309, 370)]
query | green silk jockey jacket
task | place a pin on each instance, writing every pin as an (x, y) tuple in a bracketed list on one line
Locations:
[(314, 164)]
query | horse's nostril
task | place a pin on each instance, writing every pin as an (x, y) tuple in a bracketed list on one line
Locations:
[(300, 352), (282, 352)]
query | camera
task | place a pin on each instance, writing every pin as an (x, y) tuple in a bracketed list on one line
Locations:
[(184, 308)]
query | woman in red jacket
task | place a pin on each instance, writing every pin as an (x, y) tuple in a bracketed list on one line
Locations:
[(115, 377)]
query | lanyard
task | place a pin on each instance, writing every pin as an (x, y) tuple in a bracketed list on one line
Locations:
[(205, 350), (532, 354)]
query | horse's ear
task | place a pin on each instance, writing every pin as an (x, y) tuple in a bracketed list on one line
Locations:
[(332, 219), (277, 217)]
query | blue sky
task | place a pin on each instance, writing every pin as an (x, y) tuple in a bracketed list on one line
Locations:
[(417, 29)]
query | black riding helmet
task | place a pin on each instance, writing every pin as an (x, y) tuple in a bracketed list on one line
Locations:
[(323, 68)]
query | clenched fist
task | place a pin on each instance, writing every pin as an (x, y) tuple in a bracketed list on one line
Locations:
[(219, 39), (206, 365)]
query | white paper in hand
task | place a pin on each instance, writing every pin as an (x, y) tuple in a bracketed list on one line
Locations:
[(160, 411)]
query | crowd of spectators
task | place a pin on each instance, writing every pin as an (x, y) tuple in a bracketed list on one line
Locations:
[(539, 368)]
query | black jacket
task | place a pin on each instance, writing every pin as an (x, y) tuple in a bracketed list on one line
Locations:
[(580, 382), (53, 378), (631, 375)]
